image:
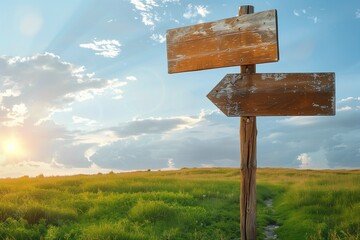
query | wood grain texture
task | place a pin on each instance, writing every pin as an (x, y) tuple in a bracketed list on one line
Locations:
[(248, 134), (275, 94), (242, 40), (248, 161)]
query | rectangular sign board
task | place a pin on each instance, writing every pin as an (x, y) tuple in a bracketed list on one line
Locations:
[(275, 94), (242, 40)]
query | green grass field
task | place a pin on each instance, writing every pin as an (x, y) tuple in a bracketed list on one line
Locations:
[(184, 204)]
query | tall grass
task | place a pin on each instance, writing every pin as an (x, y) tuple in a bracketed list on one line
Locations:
[(318, 204), (184, 204)]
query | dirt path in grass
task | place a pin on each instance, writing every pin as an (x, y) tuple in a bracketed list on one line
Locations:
[(269, 229)]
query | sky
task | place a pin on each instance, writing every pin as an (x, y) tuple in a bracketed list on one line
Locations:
[(85, 88)]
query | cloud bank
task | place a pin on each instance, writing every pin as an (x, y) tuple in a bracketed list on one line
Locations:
[(34, 89)]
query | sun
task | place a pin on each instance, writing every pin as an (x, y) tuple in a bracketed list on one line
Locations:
[(11, 146)]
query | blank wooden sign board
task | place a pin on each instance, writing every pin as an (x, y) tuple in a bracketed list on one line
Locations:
[(246, 40), (242, 40)]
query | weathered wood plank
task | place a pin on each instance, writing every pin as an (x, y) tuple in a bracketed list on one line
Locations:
[(275, 94), (242, 40), (248, 166), (248, 162)]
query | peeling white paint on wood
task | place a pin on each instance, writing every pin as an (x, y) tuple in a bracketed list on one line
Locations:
[(200, 32), (276, 76), (220, 26), (252, 89)]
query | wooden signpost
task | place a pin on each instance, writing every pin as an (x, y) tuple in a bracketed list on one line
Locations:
[(246, 40)]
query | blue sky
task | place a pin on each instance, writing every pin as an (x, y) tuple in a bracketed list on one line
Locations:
[(85, 88)]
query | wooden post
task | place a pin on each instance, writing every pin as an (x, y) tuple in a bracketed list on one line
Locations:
[(248, 134)]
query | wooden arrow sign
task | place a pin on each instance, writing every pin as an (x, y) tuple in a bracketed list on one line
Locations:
[(242, 40), (275, 94)]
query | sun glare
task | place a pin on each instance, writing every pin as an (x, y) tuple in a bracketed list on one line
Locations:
[(11, 147)]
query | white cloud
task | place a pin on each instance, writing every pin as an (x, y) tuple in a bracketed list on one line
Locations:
[(149, 18), (105, 48), (349, 103), (170, 1), (118, 97), (139, 5), (298, 12), (314, 18), (84, 121), (113, 86), (16, 115), (202, 10), (299, 120), (100, 139), (158, 37), (303, 12), (346, 108), (349, 99), (171, 164), (193, 11), (146, 8), (34, 169), (89, 153), (10, 92), (304, 159), (153, 12), (273, 137), (357, 13), (140, 127), (131, 78)]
